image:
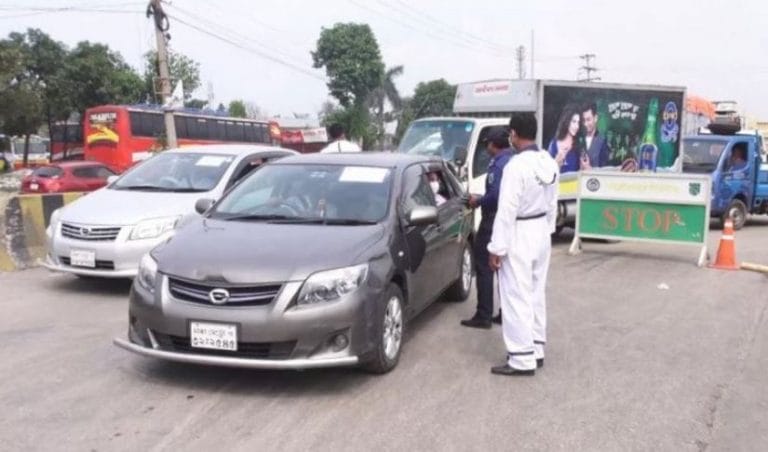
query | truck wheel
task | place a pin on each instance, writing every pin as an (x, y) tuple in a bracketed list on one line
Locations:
[(389, 327), (737, 210)]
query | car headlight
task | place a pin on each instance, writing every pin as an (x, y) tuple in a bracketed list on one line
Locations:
[(332, 284), (151, 229), (147, 273)]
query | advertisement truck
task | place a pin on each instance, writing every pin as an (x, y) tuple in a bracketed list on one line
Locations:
[(594, 126)]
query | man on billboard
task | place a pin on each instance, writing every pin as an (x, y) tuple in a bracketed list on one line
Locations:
[(597, 149)]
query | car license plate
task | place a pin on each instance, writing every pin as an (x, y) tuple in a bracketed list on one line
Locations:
[(80, 258), (213, 336), (34, 187)]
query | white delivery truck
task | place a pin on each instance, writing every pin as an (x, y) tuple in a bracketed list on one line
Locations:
[(584, 125)]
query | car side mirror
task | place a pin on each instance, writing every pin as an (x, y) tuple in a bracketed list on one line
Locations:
[(112, 179), (422, 216), (459, 155), (202, 205)]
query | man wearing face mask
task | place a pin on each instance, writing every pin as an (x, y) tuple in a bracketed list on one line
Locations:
[(497, 145), (434, 184), (521, 244)]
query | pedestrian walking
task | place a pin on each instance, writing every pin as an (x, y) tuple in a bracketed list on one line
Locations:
[(339, 141)]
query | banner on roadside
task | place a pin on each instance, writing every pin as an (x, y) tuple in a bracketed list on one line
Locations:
[(652, 207)]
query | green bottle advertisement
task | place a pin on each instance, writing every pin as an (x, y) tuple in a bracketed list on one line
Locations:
[(648, 159)]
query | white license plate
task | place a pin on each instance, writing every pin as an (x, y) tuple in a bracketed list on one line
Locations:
[(213, 336), (34, 187), (82, 258)]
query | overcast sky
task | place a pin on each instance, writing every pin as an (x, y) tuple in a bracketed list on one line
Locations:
[(715, 49)]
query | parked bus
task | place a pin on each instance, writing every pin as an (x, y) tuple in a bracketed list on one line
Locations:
[(66, 141), (120, 136)]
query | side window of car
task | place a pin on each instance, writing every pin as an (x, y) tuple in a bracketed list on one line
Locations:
[(416, 189), (104, 172), (481, 158), (246, 167), (88, 172), (439, 186)]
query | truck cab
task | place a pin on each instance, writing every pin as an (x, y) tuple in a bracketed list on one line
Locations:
[(739, 176)]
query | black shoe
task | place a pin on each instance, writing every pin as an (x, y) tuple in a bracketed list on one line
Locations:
[(511, 371), (477, 322), (497, 318), (540, 363)]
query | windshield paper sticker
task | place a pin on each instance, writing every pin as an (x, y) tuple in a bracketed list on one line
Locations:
[(212, 160), (363, 174)]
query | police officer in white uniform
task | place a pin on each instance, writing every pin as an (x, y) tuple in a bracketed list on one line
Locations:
[(339, 142), (520, 246)]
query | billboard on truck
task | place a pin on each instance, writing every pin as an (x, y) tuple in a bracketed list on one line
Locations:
[(607, 127)]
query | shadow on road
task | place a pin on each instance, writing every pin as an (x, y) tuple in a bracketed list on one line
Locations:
[(94, 286)]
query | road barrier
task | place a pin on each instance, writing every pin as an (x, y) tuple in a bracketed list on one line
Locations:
[(644, 207), (22, 229)]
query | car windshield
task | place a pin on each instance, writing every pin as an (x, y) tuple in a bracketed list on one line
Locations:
[(311, 193), (176, 171), (47, 172), (702, 156), (439, 138)]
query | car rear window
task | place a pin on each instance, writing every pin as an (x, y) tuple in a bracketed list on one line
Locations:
[(48, 172)]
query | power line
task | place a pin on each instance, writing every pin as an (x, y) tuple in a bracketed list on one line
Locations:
[(426, 18), (247, 48), (431, 34)]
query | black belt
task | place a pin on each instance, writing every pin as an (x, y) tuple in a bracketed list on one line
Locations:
[(532, 217)]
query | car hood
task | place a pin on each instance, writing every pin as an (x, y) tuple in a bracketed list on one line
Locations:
[(249, 252), (123, 207)]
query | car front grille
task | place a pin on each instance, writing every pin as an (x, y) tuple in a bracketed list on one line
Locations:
[(100, 265), (257, 350), (197, 292), (90, 233)]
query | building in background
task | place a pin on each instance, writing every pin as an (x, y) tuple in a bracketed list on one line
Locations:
[(699, 112)]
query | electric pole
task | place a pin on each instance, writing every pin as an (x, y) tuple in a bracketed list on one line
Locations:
[(520, 58), (155, 10), (588, 68)]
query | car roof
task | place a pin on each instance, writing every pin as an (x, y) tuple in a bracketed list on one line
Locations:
[(382, 159), (230, 149), (76, 164)]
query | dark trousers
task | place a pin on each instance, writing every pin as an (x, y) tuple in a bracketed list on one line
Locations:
[(484, 273)]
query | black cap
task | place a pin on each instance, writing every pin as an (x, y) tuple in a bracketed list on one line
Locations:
[(499, 136)]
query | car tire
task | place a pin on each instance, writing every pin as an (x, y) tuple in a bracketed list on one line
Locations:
[(738, 211), (461, 288), (389, 329)]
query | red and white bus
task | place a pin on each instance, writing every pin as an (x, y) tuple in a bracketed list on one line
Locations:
[(119, 136), (66, 141)]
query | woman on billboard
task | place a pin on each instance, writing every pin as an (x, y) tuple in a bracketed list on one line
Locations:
[(566, 146)]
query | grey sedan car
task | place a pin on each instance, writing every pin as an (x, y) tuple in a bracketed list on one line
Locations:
[(312, 261)]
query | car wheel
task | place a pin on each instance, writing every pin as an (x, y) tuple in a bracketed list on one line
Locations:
[(460, 289), (737, 210), (390, 325)]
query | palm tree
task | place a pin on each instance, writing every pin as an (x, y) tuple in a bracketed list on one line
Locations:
[(386, 92)]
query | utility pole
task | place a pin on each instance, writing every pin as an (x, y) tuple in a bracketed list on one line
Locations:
[(520, 58), (155, 10), (533, 75), (588, 68)]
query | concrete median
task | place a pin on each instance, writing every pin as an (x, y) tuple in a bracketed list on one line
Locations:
[(23, 221)]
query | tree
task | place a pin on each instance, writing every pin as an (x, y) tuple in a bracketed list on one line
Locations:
[(221, 109), (237, 109), (432, 98), (352, 61), (196, 103), (181, 67), (387, 91), (21, 107)]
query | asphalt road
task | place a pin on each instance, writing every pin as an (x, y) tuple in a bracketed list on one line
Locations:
[(630, 366)]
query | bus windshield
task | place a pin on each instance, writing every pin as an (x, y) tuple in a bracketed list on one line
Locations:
[(438, 138)]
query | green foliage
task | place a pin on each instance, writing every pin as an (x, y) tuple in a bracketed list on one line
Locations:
[(237, 109), (432, 98), (181, 67)]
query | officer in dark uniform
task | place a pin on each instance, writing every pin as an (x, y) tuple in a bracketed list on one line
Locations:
[(497, 145)]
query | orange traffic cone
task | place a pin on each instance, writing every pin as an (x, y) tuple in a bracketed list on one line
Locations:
[(726, 252)]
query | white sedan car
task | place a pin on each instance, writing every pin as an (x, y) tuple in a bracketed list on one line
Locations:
[(107, 232)]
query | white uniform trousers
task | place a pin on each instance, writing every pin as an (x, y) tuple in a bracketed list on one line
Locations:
[(522, 284)]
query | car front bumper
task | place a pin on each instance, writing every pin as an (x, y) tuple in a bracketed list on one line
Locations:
[(118, 258), (159, 327)]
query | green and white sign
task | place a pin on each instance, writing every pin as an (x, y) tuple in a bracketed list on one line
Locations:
[(652, 207)]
